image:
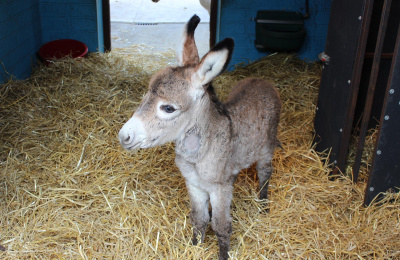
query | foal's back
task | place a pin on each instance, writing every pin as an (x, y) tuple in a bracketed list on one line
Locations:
[(254, 106)]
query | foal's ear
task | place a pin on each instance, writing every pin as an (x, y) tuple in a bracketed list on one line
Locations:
[(214, 62), (188, 53)]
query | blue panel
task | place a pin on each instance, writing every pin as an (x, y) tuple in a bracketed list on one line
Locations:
[(27, 24), (55, 9), (20, 37), (13, 8), (54, 1), (84, 24), (79, 2), (55, 23), (77, 20), (83, 10), (237, 21)]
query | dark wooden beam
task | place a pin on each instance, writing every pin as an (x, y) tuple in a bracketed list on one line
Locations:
[(385, 167), (106, 25), (346, 44), (371, 87), (384, 56), (213, 22)]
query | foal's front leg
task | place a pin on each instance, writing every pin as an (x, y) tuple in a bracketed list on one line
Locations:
[(199, 215)]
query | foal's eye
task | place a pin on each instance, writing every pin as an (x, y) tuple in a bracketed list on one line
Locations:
[(168, 109)]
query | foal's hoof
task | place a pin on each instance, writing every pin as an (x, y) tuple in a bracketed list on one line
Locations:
[(197, 238), (195, 241), (265, 210), (264, 206)]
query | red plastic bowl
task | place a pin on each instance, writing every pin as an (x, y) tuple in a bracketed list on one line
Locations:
[(59, 49)]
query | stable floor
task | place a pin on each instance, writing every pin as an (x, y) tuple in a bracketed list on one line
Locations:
[(158, 25)]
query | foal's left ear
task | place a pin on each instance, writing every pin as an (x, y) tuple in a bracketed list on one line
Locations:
[(188, 53), (214, 62)]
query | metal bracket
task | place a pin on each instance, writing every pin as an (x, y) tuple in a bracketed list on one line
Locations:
[(324, 58)]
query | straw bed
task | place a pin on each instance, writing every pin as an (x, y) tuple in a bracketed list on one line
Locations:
[(69, 191)]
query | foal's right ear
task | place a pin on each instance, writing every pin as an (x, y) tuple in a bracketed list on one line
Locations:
[(214, 62), (188, 54)]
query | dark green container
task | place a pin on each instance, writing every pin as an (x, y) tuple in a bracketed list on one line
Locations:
[(279, 30)]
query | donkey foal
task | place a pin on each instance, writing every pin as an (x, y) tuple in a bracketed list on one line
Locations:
[(214, 140)]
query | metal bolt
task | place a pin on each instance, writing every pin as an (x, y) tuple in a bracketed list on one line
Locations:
[(341, 130), (335, 162), (386, 117), (391, 91), (318, 107), (379, 152), (349, 81), (360, 18), (371, 189)]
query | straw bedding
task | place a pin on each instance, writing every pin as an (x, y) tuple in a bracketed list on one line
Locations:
[(69, 191)]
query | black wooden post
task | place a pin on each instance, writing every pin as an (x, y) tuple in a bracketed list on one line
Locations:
[(345, 45), (371, 87), (385, 171), (106, 25)]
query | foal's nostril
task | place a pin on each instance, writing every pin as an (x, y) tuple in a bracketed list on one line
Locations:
[(127, 139)]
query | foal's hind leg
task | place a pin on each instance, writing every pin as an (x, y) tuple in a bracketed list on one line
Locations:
[(264, 171), (221, 220)]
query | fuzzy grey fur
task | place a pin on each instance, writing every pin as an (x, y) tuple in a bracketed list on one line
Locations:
[(214, 141)]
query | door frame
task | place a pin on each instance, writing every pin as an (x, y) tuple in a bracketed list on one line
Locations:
[(106, 22)]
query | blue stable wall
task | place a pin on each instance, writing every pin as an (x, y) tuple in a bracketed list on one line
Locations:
[(20, 37), (237, 22), (70, 19), (27, 24)]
